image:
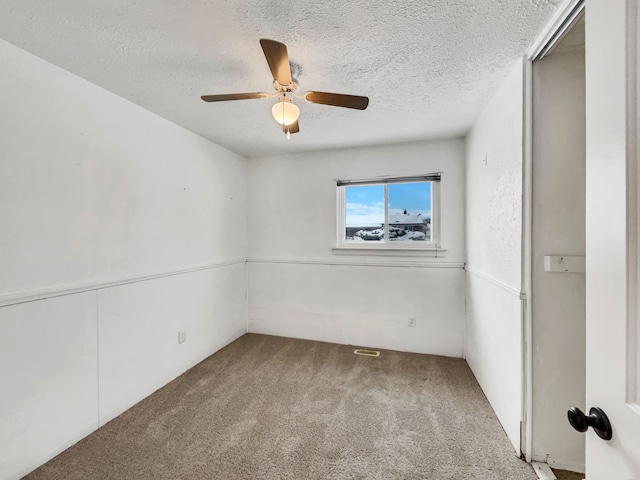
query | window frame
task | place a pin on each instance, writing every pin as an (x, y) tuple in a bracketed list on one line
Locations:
[(342, 244)]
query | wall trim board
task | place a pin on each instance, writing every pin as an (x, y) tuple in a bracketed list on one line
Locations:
[(246, 296), (360, 262), (527, 258), (59, 291), (559, 463), (633, 203), (478, 273)]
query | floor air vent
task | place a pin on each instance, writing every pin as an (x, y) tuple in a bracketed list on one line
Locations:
[(368, 353)]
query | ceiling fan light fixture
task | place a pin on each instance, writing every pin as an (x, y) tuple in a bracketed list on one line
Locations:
[(285, 113)]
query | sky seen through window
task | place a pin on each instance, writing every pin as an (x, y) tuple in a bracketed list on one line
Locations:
[(365, 203)]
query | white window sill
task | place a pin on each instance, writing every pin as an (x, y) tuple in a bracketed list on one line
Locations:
[(431, 252)]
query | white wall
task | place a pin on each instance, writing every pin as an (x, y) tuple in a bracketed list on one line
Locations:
[(299, 287), (558, 228), (493, 337), (117, 229)]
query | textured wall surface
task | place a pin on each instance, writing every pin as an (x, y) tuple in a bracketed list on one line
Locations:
[(493, 331), (429, 67), (105, 209), (494, 185), (95, 188)]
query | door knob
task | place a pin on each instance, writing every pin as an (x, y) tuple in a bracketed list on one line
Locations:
[(596, 419)]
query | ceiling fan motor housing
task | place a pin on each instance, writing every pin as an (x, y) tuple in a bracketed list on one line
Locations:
[(291, 88), (285, 96)]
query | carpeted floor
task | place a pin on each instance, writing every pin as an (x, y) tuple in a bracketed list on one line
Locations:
[(274, 408), (567, 475)]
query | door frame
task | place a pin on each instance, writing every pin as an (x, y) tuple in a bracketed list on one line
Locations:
[(554, 31), (633, 207)]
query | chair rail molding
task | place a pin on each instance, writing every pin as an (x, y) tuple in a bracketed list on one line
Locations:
[(360, 262), (58, 291), (490, 278)]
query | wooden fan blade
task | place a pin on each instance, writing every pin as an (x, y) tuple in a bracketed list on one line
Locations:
[(278, 60), (293, 128), (234, 96), (337, 100)]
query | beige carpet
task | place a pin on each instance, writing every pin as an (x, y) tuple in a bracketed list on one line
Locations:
[(274, 408), (567, 475)]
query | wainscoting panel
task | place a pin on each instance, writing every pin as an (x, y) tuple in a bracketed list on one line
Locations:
[(493, 346), (139, 324), (48, 379), (364, 305), (72, 361)]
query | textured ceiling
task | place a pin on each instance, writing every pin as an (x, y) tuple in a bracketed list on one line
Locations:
[(428, 66)]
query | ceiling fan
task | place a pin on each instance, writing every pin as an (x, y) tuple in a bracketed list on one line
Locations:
[(285, 112)]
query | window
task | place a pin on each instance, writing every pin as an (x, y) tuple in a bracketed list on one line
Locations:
[(389, 213)]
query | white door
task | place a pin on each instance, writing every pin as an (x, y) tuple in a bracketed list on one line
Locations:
[(612, 353)]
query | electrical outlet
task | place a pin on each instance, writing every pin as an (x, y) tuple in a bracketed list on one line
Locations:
[(182, 335), (412, 322)]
